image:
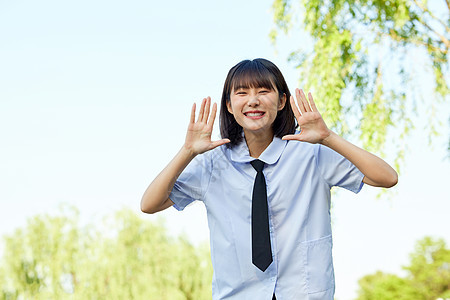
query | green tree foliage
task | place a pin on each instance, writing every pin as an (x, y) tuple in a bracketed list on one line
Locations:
[(54, 258), (360, 59), (428, 276)]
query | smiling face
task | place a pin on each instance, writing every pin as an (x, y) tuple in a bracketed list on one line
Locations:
[(255, 108), (254, 101)]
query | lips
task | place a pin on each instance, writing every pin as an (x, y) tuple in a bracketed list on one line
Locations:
[(255, 114)]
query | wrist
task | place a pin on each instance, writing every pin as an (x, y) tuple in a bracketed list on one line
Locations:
[(187, 152), (328, 140)]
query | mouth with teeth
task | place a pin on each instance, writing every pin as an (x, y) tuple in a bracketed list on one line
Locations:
[(254, 114)]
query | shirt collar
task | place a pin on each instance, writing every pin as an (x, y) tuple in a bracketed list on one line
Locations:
[(241, 154)]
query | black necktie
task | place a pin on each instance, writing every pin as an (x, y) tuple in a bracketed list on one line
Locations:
[(261, 250)]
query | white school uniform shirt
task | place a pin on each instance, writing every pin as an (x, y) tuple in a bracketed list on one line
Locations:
[(299, 177)]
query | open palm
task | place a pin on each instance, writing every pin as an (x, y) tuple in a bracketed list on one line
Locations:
[(313, 127), (198, 136)]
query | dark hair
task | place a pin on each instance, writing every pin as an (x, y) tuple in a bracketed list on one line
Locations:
[(257, 73)]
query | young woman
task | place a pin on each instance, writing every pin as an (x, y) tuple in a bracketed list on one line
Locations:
[(266, 186)]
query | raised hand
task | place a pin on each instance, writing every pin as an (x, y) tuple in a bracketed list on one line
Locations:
[(313, 127), (198, 137)]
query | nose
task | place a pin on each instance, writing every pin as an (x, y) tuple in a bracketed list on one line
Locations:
[(254, 101)]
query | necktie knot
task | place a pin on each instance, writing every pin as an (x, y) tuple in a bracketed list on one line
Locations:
[(258, 165)]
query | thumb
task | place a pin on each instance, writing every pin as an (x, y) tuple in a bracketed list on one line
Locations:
[(292, 137), (219, 143)]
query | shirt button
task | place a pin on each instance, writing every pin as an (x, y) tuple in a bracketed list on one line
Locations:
[(273, 278)]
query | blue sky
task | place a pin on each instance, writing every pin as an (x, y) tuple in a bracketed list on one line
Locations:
[(95, 98)]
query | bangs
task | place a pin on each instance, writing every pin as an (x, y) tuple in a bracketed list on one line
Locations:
[(252, 74)]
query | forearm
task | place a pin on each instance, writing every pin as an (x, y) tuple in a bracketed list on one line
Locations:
[(156, 197), (376, 171)]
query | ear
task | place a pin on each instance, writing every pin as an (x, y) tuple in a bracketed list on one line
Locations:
[(282, 102), (229, 107)]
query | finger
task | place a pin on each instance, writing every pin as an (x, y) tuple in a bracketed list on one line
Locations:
[(219, 143), (305, 102), (202, 109), (298, 95), (295, 108), (207, 106), (213, 117), (311, 102), (292, 137), (192, 120)]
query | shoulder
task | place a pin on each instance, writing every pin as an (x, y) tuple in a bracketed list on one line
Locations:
[(213, 156), (301, 148)]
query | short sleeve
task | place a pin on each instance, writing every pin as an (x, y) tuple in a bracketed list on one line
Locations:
[(337, 170), (192, 183)]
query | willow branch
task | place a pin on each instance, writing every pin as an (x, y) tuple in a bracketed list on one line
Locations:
[(392, 34), (442, 38), (426, 10), (378, 82)]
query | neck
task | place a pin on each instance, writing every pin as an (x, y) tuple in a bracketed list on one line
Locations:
[(258, 142)]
